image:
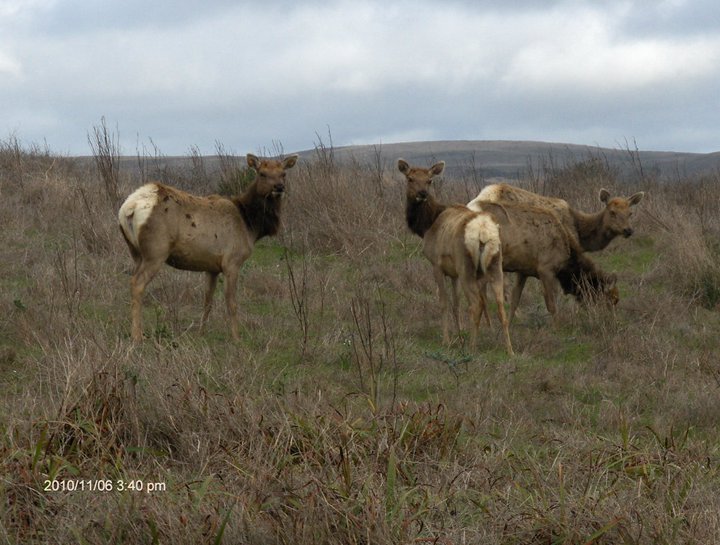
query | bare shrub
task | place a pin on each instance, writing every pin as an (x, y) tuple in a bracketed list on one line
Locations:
[(105, 146), (20, 162), (235, 177), (199, 176), (691, 256), (307, 292), (373, 345), (351, 220)]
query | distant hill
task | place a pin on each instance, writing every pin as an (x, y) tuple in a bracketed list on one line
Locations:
[(490, 159), (513, 159)]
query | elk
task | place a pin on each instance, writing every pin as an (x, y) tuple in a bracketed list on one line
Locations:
[(162, 224), (460, 244), (593, 231), (535, 242)]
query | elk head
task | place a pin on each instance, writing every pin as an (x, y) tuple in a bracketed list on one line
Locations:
[(598, 288), (270, 179), (419, 179), (617, 213)]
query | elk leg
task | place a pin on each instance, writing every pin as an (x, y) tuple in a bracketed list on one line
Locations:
[(442, 294), (472, 293), (455, 304), (483, 303), (548, 282), (231, 276), (482, 299), (210, 291), (516, 293), (144, 273), (499, 288)]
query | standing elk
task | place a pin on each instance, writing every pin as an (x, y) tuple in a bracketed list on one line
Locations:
[(536, 243), (212, 234), (460, 244), (593, 231)]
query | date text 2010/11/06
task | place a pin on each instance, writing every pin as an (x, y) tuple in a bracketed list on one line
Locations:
[(102, 485)]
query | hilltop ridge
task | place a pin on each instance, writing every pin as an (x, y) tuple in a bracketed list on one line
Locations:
[(510, 158)]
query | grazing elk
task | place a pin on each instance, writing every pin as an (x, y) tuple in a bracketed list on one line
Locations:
[(460, 244), (212, 234), (536, 243), (593, 231)]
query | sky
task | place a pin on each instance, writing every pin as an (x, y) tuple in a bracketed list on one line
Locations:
[(284, 75)]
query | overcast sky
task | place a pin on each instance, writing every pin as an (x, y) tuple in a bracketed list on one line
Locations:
[(248, 74)]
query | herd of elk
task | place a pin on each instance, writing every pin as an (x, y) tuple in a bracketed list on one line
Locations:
[(503, 229)]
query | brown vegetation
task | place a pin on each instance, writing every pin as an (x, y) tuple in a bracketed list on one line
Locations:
[(338, 418)]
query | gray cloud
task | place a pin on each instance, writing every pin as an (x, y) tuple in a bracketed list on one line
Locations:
[(248, 75)]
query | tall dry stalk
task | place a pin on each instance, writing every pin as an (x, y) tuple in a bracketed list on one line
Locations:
[(373, 347), (105, 146), (299, 298)]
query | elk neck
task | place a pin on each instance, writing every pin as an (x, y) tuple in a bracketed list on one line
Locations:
[(580, 274), (589, 229), (261, 213), (421, 215)]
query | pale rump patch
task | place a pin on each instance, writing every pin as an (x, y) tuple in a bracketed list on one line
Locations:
[(490, 193), (136, 210), (482, 230)]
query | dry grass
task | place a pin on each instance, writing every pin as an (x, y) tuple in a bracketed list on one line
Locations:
[(339, 418)]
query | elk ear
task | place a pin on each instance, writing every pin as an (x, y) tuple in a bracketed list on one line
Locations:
[(252, 161), (403, 166), (604, 195), (633, 200), (289, 162), (437, 168)]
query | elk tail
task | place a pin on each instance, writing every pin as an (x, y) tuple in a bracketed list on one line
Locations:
[(135, 211), (482, 241), (489, 253)]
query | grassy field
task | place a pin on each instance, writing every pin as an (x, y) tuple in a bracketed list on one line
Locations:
[(340, 418)]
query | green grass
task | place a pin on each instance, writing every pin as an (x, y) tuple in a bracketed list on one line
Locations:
[(268, 253), (637, 256), (402, 249)]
